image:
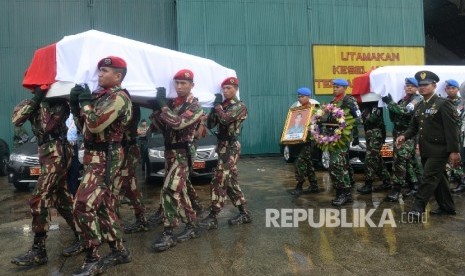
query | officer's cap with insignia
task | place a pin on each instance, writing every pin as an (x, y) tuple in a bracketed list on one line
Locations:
[(230, 81), (453, 83), (184, 74), (304, 91), (411, 81), (340, 82), (112, 61), (426, 77)]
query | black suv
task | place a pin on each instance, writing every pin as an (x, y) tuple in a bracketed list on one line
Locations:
[(23, 167)]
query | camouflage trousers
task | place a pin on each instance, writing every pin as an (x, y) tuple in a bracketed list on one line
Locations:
[(339, 168), (174, 199), (52, 189), (125, 183), (304, 165), (403, 158), (94, 205), (373, 160), (225, 183)]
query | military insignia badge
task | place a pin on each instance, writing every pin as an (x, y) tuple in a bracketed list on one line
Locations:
[(423, 75), (107, 61), (187, 75)]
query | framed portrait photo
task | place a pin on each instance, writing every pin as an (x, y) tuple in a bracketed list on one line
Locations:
[(296, 127)]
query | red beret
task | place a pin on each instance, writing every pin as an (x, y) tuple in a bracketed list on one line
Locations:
[(112, 61), (230, 81), (184, 74)]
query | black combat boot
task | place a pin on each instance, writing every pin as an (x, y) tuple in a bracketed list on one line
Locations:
[(460, 187), (91, 265), (312, 189), (344, 197), (367, 188), (165, 241), (139, 225), (243, 217), (385, 186), (210, 222), (393, 195), (36, 255), (298, 189), (115, 257), (190, 232), (412, 190), (157, 217), (197, 206), (75, 248)]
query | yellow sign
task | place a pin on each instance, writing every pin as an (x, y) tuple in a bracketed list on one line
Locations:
[(346, 62)]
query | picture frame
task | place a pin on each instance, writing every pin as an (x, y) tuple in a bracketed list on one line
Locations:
[(297, 125)]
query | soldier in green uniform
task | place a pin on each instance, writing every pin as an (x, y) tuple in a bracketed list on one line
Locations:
[(401, 114), (47, 117), (20, 136), (338, 162), (375, 134), (435, 123), (178, 119), (102, 118), (304, 165), (228, 116), (452, 90)]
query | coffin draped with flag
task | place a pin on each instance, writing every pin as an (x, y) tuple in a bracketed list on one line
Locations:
[(73, 60)]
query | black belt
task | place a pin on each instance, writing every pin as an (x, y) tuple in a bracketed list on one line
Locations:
[(180, 145), (100, 146), (47, 138)]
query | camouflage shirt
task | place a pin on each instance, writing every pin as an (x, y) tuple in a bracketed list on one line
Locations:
[(347, 102), (106, 118), (228, 117), (47, 118), (402, 112), (179, 122), (130, 134)]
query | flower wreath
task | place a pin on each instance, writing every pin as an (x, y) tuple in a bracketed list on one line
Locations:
[(331, 127)]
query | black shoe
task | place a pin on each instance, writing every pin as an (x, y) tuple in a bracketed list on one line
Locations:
[(240, 219), (36, 256), (297, 192), (410, 192), (138, 226), (440, 212), (385, 186), (366, 189), (393, 196), (459, 189), (156, 218), (210, 222), (90, 267), (74, 249), (343, 198), (313, 189), (197, 206), (190, 232), (115, 257), (165, 241)]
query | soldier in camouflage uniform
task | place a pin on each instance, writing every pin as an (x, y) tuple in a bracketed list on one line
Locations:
[(228, 115), (375, 134), (400, 114), (20, 136), (177, 119), (338, 162), (452, 90), (304, 165), (102, 118), (126, 181), (47, 118)]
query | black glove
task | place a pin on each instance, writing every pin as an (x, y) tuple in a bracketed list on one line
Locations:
[(355, 142), (153, 104), (218, 99), (387, 99), (161, 97), (74, 95), (39, 94)]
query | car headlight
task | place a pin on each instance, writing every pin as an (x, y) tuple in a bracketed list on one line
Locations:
[(18, 157), (156, 153)]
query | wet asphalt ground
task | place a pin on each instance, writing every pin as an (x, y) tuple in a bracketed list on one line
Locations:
[(401, 246)]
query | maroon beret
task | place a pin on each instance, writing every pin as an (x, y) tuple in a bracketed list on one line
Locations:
[(112, 61), (184, 74), (230, 81)]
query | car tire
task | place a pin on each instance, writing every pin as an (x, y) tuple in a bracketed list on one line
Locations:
[(288, 155), (4, 166), (325, 159), (22, 187)]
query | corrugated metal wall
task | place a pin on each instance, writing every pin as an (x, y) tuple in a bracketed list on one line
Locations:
[(26, 25), (268, 43)]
